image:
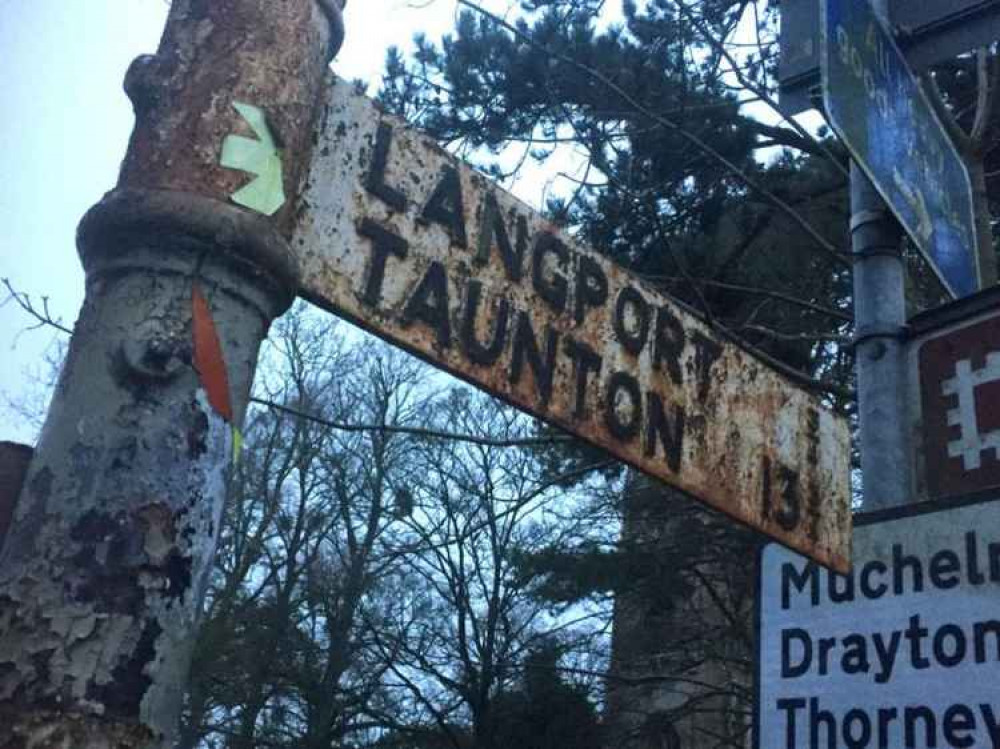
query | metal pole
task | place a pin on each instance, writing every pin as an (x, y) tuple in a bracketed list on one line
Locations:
[(879, 319), (106, 563)]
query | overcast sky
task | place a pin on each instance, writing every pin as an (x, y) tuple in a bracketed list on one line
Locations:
[(64, 126)]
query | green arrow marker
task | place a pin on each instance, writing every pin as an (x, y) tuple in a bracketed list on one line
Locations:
[(266, 193)]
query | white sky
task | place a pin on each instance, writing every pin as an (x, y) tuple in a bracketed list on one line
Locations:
[(65, 123)]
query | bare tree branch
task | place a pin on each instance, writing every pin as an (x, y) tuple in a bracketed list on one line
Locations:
[(413, 431), (43, 315)]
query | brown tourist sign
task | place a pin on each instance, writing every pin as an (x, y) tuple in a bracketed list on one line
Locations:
[(401, 237), (954, 357)]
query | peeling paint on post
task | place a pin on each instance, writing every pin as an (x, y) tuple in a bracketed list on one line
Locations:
[(14, 461), (107, 559), (401, 237)]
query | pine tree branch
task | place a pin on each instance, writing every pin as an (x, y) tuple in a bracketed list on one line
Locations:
[(987, 75), (798, 137), (960, 138), (741, 174)]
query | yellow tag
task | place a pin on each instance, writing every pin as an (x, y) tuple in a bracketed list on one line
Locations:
[(237, 445)]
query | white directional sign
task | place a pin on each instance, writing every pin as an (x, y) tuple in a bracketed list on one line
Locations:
[(903, 653), (401, 237)]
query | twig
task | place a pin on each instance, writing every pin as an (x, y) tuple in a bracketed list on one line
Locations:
[(43, 316), (413, 431), (777, 295), (805, 140), (843, 340)]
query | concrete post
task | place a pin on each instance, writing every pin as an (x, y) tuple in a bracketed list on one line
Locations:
[(107, 560)]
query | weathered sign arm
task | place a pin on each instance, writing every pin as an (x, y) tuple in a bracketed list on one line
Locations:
[(401, 237), (107, 560)]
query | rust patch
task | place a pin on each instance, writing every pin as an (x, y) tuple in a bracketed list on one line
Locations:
[(271, 55), (158, 531)]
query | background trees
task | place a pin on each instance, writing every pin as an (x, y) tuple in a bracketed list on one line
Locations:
[(306, 550), (368, 590)]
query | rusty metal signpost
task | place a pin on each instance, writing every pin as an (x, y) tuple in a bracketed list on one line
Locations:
[(402, 238), (229, 203)]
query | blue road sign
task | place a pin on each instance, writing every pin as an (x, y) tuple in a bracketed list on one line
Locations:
[(877, 107)]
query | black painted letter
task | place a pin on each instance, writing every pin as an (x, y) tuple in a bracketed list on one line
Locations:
[(591, 287), (384, 243), (494, 229), (706, 353), (477, 352), (632, 340), (789, 513), (446, 207), (429, 304), (623, 382), (670, 430), (586, 362), (668, 344), (375, 181), (526, 347), (553, 290)]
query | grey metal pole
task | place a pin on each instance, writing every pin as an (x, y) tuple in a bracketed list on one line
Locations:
[(106, 563), (879, 324), (879, 320)]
